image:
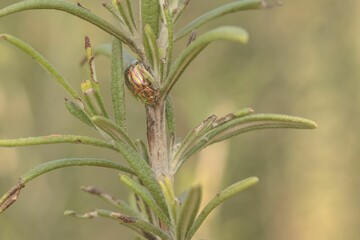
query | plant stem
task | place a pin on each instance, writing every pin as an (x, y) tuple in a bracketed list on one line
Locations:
[(157, 140)]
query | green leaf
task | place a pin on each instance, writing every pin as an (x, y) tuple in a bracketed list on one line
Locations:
[(54, 139), (144, 173), (130, 12), (248, 123), (71, 162), (94, 104), (119, 6), (78, 112), (180, 10), (150, 14), (73, 9), (115, 13), (258, 121), (170, 33), (222, 33), (12, 195), (153, 48), (189, 208), (218, 199), (118, 84), (117, 203), (142, 149), (115, 132), (171, 201), (191, 139), (92, 87), (137, 203), (218, 12), (170, 121), (138, 225), (146, 197), (107, 214), (42, 61)]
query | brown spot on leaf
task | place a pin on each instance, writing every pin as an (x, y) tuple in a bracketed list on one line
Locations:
[(79, 5), (124, 218), (11, 196), (92, 190), (192, 38)]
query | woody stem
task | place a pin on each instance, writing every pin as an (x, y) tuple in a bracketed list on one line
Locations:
[(157, 140)]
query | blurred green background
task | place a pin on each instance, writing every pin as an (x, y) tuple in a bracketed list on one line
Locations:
[(303, 59)]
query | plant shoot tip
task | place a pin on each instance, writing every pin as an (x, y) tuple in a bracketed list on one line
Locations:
[(87, 42)]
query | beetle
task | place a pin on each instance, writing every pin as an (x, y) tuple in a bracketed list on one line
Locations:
[(141, 83)]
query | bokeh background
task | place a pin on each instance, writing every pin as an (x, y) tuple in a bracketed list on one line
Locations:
[(303, 59)]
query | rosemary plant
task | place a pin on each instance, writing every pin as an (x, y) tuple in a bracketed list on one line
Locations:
[(149, 71)]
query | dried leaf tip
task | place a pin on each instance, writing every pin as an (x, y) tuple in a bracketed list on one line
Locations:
[(91, 190), (11, 196), (87, 42)]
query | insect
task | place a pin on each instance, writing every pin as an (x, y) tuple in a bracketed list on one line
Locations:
[(141, 83)]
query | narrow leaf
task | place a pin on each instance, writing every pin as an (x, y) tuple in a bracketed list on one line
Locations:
[(180, 10), (188, 211), (118, 84), (42, 61), (78, 112), (94, 104), (118, 4), (190, 140), (115, 132), (73, 9), (170, 121), (248, 123), (102, 213), (222, 33), (218, 199), (231, 116), (143, 209), (142, 149), (113, 12), (117, 203), (143, 226), (144, 173), (258, 121), (12, 195), (218, 12), (54, 139), (170, 198), (150, 14), (130, 12), (153, 47), (170, 32), (146, 197), (71, 162), (93, 84)]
